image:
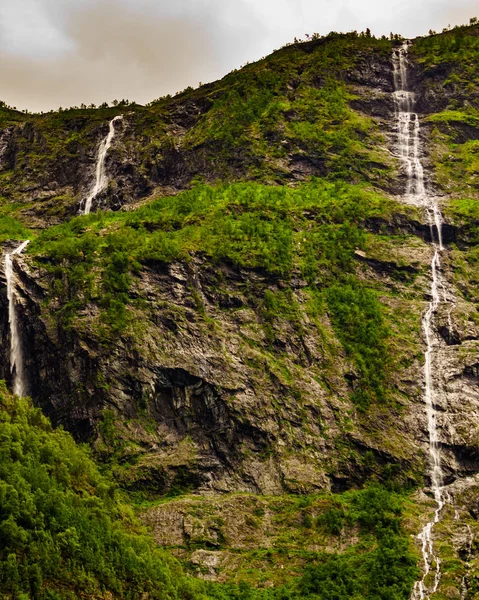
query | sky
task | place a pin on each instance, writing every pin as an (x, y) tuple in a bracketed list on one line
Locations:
[(66, 52)]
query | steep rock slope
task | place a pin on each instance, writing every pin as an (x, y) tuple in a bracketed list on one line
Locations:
[(225, 376), (235, 368), (250, 337), (218, 346), (454, 381)]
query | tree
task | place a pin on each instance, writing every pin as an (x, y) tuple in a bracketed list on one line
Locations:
[(473, 21)]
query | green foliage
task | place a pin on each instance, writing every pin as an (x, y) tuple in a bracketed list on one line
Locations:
[(9, 116), (380, 566), (456, 52), (455, 149), (469, 117), (385, 570), (258, 112), (385, 573), (12, 229), (314, 228), (460, 165), (333, 519), (464, 214), (451, 71), (375, 509), (280, 304), (358, 320), (458, 46), (64, 532), (62, 527)]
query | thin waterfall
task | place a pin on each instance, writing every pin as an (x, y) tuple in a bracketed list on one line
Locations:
[(16, 356), (101, 179), (409, 150)]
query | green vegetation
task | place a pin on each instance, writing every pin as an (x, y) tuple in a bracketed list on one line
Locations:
[(465, 214), (9, 116), (455, 149), (451, 74), (314, 230), (457, 51), (314, 251), (63, 530), (377, 564), (385, 571), (258, 112), (358, 320), (12, 229), (469, 117), (457, 159)]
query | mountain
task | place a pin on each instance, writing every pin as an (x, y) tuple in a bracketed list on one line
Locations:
[(267, 327)]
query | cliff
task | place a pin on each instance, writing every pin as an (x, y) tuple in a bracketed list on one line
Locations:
[(245, 314)]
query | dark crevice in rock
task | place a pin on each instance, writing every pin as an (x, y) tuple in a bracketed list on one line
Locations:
[(451, 337)]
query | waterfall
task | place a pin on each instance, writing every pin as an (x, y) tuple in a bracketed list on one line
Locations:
[(409, 150), (16, 358), (101, 179)]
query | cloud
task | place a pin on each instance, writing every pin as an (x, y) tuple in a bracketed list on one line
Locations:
[(65, 52), (112, 50)]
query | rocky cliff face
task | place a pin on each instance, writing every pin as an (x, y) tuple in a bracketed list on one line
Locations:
[(202, 397), (229, 377)]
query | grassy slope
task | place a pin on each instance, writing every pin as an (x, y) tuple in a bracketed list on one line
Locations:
[(295, 101), (451, 71)]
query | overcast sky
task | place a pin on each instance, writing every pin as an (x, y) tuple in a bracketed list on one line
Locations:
[(64, 52)]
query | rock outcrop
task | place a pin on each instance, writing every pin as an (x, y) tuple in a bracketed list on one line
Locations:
[(198, 398)]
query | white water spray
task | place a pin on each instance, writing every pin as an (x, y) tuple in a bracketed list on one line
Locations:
[(16, 357), (101, 179), (410, 151)]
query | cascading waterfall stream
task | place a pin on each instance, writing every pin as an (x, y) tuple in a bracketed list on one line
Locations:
[(16, 357), (101, 179), (409, 151)]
